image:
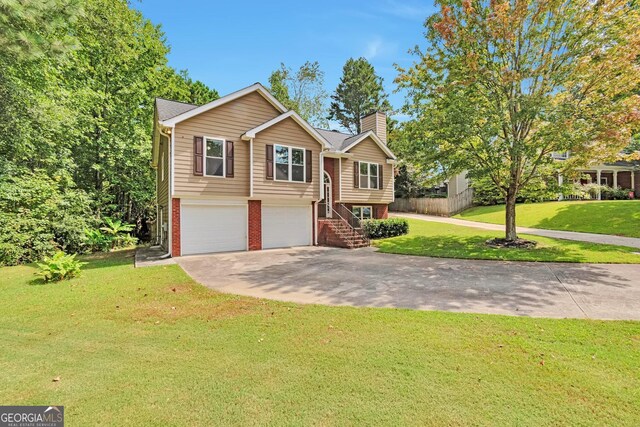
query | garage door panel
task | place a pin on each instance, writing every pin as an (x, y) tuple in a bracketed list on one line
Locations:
[(213, 228), (286, 226)]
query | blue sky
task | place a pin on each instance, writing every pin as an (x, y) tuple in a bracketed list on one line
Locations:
[(232, 44)]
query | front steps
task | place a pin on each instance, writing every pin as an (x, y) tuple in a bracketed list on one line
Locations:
[(336, 232)]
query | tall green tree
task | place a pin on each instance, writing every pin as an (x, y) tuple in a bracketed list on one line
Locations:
[(359, 93), (301, 90), (192, 91), (502, 84), (77, 83)]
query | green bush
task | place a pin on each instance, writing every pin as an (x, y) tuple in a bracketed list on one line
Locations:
[(591, 190), (98, 242), (113, 235), (124, 241), (59, 267), (485, 191), (39, 215), (381, 228)]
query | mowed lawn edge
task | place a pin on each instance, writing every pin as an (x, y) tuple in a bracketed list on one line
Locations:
[(614, 217), (149, 346), (441, 240)]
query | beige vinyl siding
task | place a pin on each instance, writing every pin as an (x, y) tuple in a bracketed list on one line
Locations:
[(162, 186), (229, 121), (366, 151), (288, 133)]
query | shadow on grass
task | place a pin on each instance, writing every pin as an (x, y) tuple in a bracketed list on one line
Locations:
[(617, 218), (108, 259), (367, 278)]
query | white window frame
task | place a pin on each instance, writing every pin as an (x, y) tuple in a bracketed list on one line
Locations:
[(368, 187), (224, 156), (290, 164), (362, 207)]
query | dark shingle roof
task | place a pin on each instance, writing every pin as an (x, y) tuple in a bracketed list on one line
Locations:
[(168, 109), (338, 140)]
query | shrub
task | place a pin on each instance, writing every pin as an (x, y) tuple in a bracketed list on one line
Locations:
[(124, 241), (538, 189), (59, 267), (96, 241), (381, 228), (39, 215), (587, 191)]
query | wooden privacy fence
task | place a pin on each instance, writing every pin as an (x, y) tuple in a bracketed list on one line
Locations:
[(441, 207)]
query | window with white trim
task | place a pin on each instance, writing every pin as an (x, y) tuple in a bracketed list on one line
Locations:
[(214, 157), (289, 163), (363, 212), (368, 175)]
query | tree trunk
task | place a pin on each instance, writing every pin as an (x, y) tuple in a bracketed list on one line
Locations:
[(510, 213)]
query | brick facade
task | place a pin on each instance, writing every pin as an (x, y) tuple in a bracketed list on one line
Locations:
[(175, 227), (255, 225)]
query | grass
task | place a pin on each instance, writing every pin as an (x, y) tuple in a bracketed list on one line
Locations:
[(453, 241), (151, 347), (617, 217)]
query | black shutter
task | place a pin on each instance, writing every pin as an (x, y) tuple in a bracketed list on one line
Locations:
[(198, 156), (356, 174), (380, 182), (309, 165), (229, 159), (269, 161)]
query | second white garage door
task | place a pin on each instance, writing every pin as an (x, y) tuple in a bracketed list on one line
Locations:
[(213, 228), (285, 226)]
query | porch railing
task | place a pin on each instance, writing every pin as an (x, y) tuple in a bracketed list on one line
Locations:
[(340, 211)]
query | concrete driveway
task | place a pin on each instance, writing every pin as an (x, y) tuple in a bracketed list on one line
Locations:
[(363, 277)]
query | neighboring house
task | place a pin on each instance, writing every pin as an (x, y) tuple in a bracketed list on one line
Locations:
[(619, 174), (243, 173)]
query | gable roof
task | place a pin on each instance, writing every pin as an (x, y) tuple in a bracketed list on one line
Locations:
[(256, 87), (343, 142), (168, 108), (334, 137), (251, 133), (172, 112)]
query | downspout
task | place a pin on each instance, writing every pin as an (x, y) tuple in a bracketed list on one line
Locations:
[(251, 168)]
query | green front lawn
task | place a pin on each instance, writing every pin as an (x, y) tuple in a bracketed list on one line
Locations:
[(151, 347), (453, 241), (618, 217)]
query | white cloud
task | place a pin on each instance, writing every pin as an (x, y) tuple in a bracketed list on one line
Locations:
[(377, 47)]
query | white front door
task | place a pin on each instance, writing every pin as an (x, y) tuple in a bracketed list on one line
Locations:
[(286, 226)]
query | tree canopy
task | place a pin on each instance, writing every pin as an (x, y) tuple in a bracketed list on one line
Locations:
[(359, 93), (301, 90), (502, 84), (77, 83)]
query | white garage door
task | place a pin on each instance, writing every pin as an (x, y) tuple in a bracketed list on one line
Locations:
[(213, 228), (284, 226)]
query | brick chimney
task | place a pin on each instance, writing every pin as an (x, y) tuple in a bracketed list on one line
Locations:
[(377, 122)]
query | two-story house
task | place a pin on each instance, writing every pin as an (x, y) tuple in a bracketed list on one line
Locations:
[(244, 173)]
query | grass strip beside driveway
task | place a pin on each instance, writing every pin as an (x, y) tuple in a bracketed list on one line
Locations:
[(454, 241)]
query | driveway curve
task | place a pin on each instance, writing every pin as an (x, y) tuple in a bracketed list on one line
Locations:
[(366, 278)]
